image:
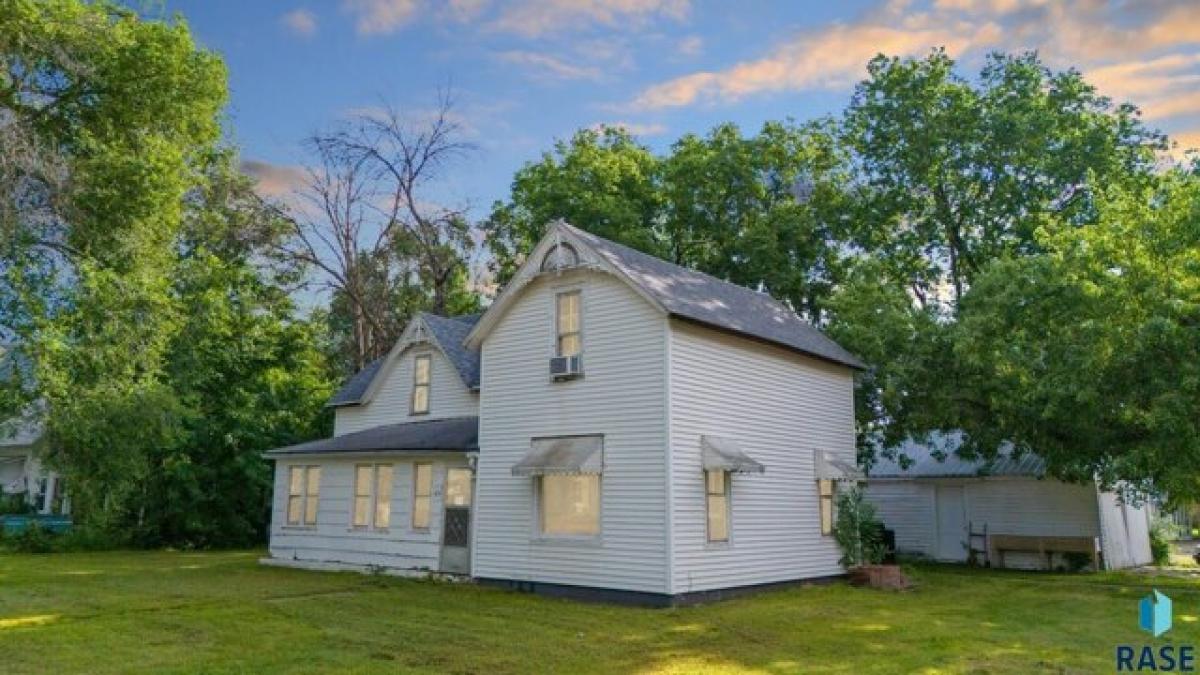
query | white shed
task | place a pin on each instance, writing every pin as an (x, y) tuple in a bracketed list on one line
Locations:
[(943, 507)]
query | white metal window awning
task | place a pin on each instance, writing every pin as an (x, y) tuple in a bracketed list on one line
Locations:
[(831, 467), (724, 454), (562, 455)]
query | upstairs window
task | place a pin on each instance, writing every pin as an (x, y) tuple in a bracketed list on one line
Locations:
[(304, 484), (420, 389), (569, 337)]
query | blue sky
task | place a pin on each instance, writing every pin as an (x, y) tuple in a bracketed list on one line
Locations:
[(527, 72)]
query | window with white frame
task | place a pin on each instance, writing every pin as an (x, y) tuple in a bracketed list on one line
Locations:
[(716, 491), (422, 493), (825, 494), (569, 505), (568, 325), (304, 485), (420, 388), (372, 495)]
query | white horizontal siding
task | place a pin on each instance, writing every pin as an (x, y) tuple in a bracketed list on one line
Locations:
[(1025, 506), (1032, 507), (780, 407), (448, 396), (621, 396), (333, 540), (906, 508), (1017, 506)]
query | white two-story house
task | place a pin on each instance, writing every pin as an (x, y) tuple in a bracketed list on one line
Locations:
[(613, 426)]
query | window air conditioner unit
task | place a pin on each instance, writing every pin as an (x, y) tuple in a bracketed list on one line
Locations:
[(566, 367)]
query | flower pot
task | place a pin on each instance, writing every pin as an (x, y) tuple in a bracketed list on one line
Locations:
[(879, 576)]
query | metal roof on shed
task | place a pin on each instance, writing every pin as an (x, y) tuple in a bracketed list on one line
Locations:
[(937, 459)]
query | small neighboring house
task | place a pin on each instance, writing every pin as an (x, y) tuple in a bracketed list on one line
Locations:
[(612, 426), (1006, 511), (21, 470)]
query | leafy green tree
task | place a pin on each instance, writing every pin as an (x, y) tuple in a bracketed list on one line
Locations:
[(952, 173), (248, 376), (949, 177), (762, 211), (125, 112), (603, 181), (1089, 353), (163, 354)]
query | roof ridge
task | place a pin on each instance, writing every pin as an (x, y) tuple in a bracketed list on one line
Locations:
[(685, 268), (460, 318)]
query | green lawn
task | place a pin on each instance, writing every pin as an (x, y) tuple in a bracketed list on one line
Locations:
[(221, 612)]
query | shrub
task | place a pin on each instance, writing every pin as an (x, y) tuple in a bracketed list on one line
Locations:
[(88, 539), (1162, 533), (33, 539), (857, 530), (15, 505), (1077, 561)]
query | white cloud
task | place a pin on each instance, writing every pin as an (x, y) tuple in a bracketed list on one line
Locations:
[(635, 128), (534, 18), (379, 17), (1109, 40), (527, 18), (1162, 87), (274, 180), (1187, 144), (832, 59), (546, 67), (300, 22)]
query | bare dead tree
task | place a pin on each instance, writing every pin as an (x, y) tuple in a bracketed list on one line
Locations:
[(365, 215)]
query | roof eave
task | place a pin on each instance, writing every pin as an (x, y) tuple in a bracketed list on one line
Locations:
[(273, 454)]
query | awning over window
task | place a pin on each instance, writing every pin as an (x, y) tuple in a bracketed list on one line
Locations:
[(567, 454), (723, 454), (831, 467)]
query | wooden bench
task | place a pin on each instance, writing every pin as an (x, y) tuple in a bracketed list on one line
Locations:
[(1043, 546)]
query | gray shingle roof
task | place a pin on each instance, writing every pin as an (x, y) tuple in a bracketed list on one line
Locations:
[(925, 462), (456, 434), (449, 332), (352, 392), (705, 299)]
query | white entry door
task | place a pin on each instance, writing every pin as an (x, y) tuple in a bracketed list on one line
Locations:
[(951, 523)]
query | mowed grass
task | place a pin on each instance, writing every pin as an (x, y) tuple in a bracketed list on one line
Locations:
[(222, 612)]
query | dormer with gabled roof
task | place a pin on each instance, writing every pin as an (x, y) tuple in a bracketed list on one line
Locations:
[(428, 374)]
